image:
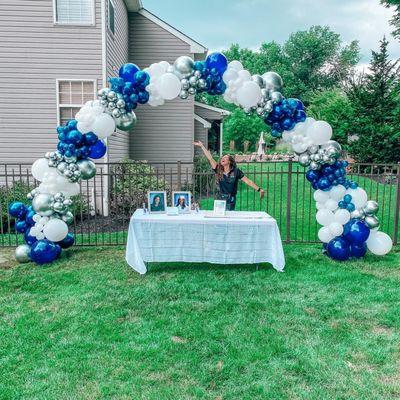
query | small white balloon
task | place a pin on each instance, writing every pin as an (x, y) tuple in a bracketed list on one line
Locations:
[(169, 86), (337, 192), (40, 167), (319, 132), (379, 243), (83, 128), (229, 75), (342, 216), (55, 230), (336, 229), (325, 235), (237, 65), (331, 204), (319, 205), (321, 196), (325, 217), (103, 126), (358, 196)]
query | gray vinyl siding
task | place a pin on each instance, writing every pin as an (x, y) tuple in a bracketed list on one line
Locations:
[(207, 114), (117, 54), (33, 54), (200, 133), (163, 133)]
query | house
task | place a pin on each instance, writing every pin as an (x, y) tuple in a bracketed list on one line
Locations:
[(56, 54)]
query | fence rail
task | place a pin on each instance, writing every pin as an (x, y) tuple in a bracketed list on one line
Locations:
[(103, 208)]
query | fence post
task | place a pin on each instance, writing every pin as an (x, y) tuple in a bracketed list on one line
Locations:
[(289, 200), (397, 207), (179, 171)]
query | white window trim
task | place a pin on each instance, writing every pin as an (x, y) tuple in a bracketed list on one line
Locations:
[(108, 18), (92, 23), (58, 80)]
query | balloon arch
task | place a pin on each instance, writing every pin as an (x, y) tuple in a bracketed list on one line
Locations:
[(349, 222)]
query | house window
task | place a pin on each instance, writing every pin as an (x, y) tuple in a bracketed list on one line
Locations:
[(111, 16), (71, 96), (79, 12)]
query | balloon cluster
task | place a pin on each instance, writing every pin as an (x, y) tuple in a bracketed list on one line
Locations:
[(349, 222)]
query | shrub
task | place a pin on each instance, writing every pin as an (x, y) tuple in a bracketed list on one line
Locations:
[(203, 176)]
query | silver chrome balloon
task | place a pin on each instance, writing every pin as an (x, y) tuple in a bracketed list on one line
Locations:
[(201, 84), (192, 91), (68, 218), (273, 81), (260, 111), (276, 97), (126, 121), (332, 143), (42, 204), (314, 165), (304, 159), (259, 80), (372, 221), (313, 149), (269, 106), (111, 96), (184, 94), (120, 103), (185, 84), (62, 166), (197, 74), (357, 214), (184, 65), (371, 207), (22, 253), (87, 169), (193, 81), (116, 113)]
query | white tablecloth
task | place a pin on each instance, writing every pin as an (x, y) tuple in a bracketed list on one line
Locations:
[(241, 238)]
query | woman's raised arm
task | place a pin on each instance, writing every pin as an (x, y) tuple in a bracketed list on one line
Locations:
[(207, 153)]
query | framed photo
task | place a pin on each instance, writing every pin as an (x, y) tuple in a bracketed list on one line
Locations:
[(157, 202), (219, 207), (182, 200)]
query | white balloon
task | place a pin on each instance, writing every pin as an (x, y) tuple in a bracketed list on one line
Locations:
[(319, 132), (237, 65), (249, 94), (229, 75), (358, 196), (331, 204), (54, 183), (342, 216), (83, 128), (319, 205), (300, 147), (325, 217), (337, 192), (321, 196), (379, 243), (55, 230), (40, 236), (40, 167), (164, 65), (325, 235), (336, 229), (103, 126), (244, 75), (169, 86)]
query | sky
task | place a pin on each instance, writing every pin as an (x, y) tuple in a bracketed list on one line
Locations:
[(218, 23)]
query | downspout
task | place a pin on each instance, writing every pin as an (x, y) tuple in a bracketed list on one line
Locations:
[(106, 159), (221, 138)]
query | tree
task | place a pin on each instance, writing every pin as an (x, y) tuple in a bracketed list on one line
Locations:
[(240, 127), (377, 110), (395, 21), (334, 107)]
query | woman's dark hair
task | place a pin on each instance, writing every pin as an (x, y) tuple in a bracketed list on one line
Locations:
[(220, 169), (154, 199), (178, 202)]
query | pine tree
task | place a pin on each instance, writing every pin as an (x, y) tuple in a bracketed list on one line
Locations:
[(376, 100)]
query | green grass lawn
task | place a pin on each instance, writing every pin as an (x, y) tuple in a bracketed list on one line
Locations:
[(88, 327)]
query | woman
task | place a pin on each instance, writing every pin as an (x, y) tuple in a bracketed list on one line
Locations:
[(157, 204), (181, 203), (227, 178)]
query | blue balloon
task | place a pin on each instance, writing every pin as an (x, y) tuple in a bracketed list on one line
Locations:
[(17, 209), (218, 61), (72, 124), (312, 175), (288, 124), (199, 66), (29, 240), (21, 226), (90, 138), (358, 250), (350, 207), (339, 249), (127, 72), (97, 150), (43, 252), (74, 137), (342, 204), (143, 97), (324, 183), (356, 231), (300, 116), (347, 198), (68, 241), (141, 77), (58, 250)]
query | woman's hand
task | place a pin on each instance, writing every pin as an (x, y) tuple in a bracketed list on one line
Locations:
[(198, 143), (262, 193)]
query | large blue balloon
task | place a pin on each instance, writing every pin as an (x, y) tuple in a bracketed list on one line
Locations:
[(339, 249), (217, 61), (358, 250), (97, 150), (29, 217), (74, 137), (127, 72), (312, 175), (90, 138), (17, 209), (68, 241), (29, 240), (21, 226), (44, 252), (356, 231)]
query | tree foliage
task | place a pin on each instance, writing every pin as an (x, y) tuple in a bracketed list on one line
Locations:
[(395, 21)]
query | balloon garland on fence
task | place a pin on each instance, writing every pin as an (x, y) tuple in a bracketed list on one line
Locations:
[(349, 222)]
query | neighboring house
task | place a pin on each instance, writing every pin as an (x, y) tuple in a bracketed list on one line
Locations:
[(56, 54)]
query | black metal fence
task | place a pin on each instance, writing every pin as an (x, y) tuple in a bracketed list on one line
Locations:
[(105, 204)]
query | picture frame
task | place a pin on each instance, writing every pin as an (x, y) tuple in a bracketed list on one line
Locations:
[(182, 200), (219, 208), (157, 206)]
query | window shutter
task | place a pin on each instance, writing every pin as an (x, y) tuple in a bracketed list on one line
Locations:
[(74, 11)]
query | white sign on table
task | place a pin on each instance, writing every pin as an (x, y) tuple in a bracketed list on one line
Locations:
[(236, 238)]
